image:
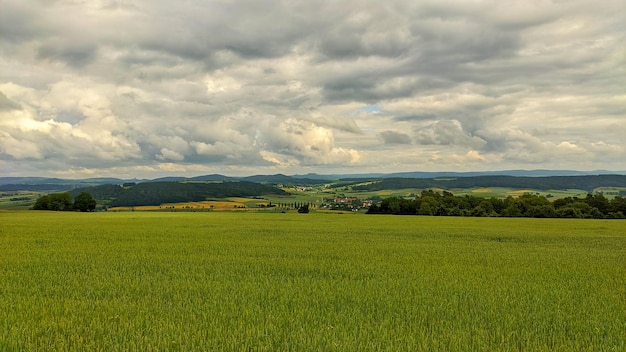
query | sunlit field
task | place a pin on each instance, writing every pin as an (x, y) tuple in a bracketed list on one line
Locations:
[(157, 281), (222, 205)]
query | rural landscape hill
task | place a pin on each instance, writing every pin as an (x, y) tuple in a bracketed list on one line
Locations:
[(587, 182), (425, 174), (155, 193), (310, 187), (46, 183)]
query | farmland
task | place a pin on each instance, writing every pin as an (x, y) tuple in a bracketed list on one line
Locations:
[(217, 192), (322, 281), (18, 199)]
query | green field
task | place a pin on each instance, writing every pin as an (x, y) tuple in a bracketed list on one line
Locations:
[(496, 192), (16, 200), (152, 281)]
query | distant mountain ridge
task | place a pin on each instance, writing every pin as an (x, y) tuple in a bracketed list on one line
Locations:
[(60, 181), (45, 183), (436, 174), (54, 184)]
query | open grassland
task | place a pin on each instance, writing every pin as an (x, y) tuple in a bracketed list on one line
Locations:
[(486, 192), (18, 199), (157, 281)]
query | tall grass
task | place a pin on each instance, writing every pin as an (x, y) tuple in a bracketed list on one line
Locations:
[(290, 282)]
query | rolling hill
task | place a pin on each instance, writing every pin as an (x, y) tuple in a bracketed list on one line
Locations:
[(155, 193)]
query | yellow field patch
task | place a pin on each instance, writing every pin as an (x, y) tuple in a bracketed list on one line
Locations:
[(522, 191), (247, 200), (234, 203), (137, 208), (481, 190)]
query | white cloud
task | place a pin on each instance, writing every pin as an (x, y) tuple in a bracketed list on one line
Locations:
[(280, 160), (447, 132), (309, 143), (153, 87), (167, 154)]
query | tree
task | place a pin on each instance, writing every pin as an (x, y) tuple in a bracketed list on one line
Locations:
[(84, 202), (42, 203), (599, 202), (513, 207), (428, 205), (304, 209), (60, 202), (618, 204), (55, 201), (373, 209), (541, 211)]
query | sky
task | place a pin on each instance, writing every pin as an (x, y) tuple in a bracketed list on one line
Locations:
[(149, 88)]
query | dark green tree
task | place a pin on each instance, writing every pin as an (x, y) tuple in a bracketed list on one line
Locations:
[(84, 202), (513, 207), (618, 207), (599, 202), (304, 209), (428, 205), (373, 209), (42, 203), (55, 201), (60, 202), (541, 211)]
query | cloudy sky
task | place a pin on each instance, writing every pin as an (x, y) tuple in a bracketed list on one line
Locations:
[(147, 88)]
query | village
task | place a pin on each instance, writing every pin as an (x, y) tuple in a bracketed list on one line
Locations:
[(345, 203)]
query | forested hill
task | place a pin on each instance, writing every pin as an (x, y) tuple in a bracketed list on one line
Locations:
[(587, 183), (156, 193)]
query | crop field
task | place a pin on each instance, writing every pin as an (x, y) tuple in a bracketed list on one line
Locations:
[(266, 281), (222, 205)]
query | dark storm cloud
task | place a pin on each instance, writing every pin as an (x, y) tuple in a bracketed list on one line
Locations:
[(75, 56), (70, 116), (7, 104), (447, 133), (416, 117), (391, 137)]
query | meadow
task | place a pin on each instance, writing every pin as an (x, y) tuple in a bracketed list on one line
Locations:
[(233, 281), (18, 200)]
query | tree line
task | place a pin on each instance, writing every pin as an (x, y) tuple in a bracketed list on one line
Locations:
[(528, 205), (64, 202), (293, 205)]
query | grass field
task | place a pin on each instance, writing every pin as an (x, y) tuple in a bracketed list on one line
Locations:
[(230, 281), (487, 192), (18, 200)]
